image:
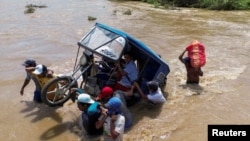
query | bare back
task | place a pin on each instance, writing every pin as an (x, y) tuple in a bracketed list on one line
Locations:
[(193, 74)]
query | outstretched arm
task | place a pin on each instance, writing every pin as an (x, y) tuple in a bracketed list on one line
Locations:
[(101, 121), (119, 68), (137, 87), (30, 69), (25, 83), (200, 72), (113, 132)]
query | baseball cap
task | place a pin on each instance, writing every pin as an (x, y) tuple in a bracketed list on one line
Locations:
[(114, 105), (105, 92), (29, 62), (85, 98), (153, 85), (40, 69)]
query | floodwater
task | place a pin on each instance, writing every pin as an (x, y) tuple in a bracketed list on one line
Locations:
[(50, 36)]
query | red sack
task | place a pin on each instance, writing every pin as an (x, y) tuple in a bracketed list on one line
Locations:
[(196, 53)]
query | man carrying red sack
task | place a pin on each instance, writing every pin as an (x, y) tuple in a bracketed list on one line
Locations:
[(193, 63)]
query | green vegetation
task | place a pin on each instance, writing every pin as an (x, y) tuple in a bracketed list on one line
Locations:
[(208, 4), (225, 4)]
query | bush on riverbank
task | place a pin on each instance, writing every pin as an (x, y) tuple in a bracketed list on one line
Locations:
[(224, 4), (208, 4)]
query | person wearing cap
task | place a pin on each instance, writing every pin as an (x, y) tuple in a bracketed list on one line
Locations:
[(91, 122), (31, 63), (42, 75), (107, 93), (114, 121), (155, 94)]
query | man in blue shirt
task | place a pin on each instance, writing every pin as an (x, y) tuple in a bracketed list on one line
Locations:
[(107, 93), (127, 79), (127, 75)]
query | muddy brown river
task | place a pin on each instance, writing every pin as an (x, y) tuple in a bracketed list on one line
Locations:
[(50, 36)]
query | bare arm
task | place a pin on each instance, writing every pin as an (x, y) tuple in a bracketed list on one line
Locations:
[(30, 69), (200, 72), (100, 122), (181, 56), (27, 80), (114, 134), (119, 68), (25, 83), (135, 85)]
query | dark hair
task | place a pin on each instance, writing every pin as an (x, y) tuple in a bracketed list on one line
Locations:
[(153, 85), (44, 69), (83, 104), (129, 53)]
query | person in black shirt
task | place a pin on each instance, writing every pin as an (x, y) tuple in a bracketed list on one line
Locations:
[(91, 115)]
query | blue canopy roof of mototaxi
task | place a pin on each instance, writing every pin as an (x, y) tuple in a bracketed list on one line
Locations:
[(134, 41)]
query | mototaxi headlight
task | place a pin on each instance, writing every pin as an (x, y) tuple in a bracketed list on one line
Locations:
[(83, 60)]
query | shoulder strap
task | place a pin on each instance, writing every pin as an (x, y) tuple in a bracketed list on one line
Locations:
[(93, 108)]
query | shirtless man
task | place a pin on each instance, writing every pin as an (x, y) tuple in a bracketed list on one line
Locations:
[(193, 74)]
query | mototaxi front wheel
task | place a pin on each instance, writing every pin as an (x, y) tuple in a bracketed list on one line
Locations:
[(57, 91)]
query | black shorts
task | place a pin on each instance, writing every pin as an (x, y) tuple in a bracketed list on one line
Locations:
[(192, 82)]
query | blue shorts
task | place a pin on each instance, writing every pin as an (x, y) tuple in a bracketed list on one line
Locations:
[(37, 96), (186, 59), (128, 124)]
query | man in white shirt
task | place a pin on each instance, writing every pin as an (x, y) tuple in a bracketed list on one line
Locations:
[(115, 121), (107, 93), (155, 94)]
